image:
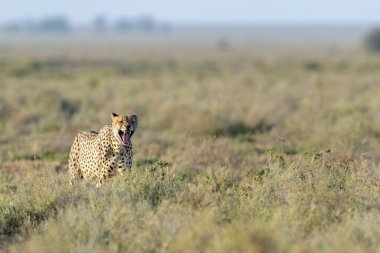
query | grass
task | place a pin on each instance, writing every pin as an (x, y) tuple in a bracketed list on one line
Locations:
[(235, 151), (296, 206)]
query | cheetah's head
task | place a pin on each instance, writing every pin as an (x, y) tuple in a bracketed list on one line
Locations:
[(124, 126)]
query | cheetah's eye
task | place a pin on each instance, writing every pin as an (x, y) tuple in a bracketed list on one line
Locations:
[(121, 122)]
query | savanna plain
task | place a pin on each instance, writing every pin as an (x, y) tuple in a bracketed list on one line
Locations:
[(240, 147)]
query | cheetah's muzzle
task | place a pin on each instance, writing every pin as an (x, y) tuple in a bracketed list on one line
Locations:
[(125, 135)]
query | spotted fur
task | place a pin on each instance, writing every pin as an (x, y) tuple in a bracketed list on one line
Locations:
[(101, 155)]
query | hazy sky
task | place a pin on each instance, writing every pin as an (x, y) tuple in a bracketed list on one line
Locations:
[(201, 11)]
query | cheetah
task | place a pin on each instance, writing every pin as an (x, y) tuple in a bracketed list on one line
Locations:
[(101, 155)]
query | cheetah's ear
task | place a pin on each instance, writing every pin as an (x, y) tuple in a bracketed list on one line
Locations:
[(114, 115), (134, 120)]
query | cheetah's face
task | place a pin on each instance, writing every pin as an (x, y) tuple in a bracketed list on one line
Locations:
[(124, 126)]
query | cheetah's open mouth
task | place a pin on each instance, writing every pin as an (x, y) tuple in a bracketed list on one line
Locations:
[(125, 136)]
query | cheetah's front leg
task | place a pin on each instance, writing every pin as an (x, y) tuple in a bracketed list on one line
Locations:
[(106, 170), (125, 161)]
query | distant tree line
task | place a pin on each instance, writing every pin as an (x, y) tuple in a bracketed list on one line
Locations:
[(99, 24), (56, 23), (124, 24), (372, 40)]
